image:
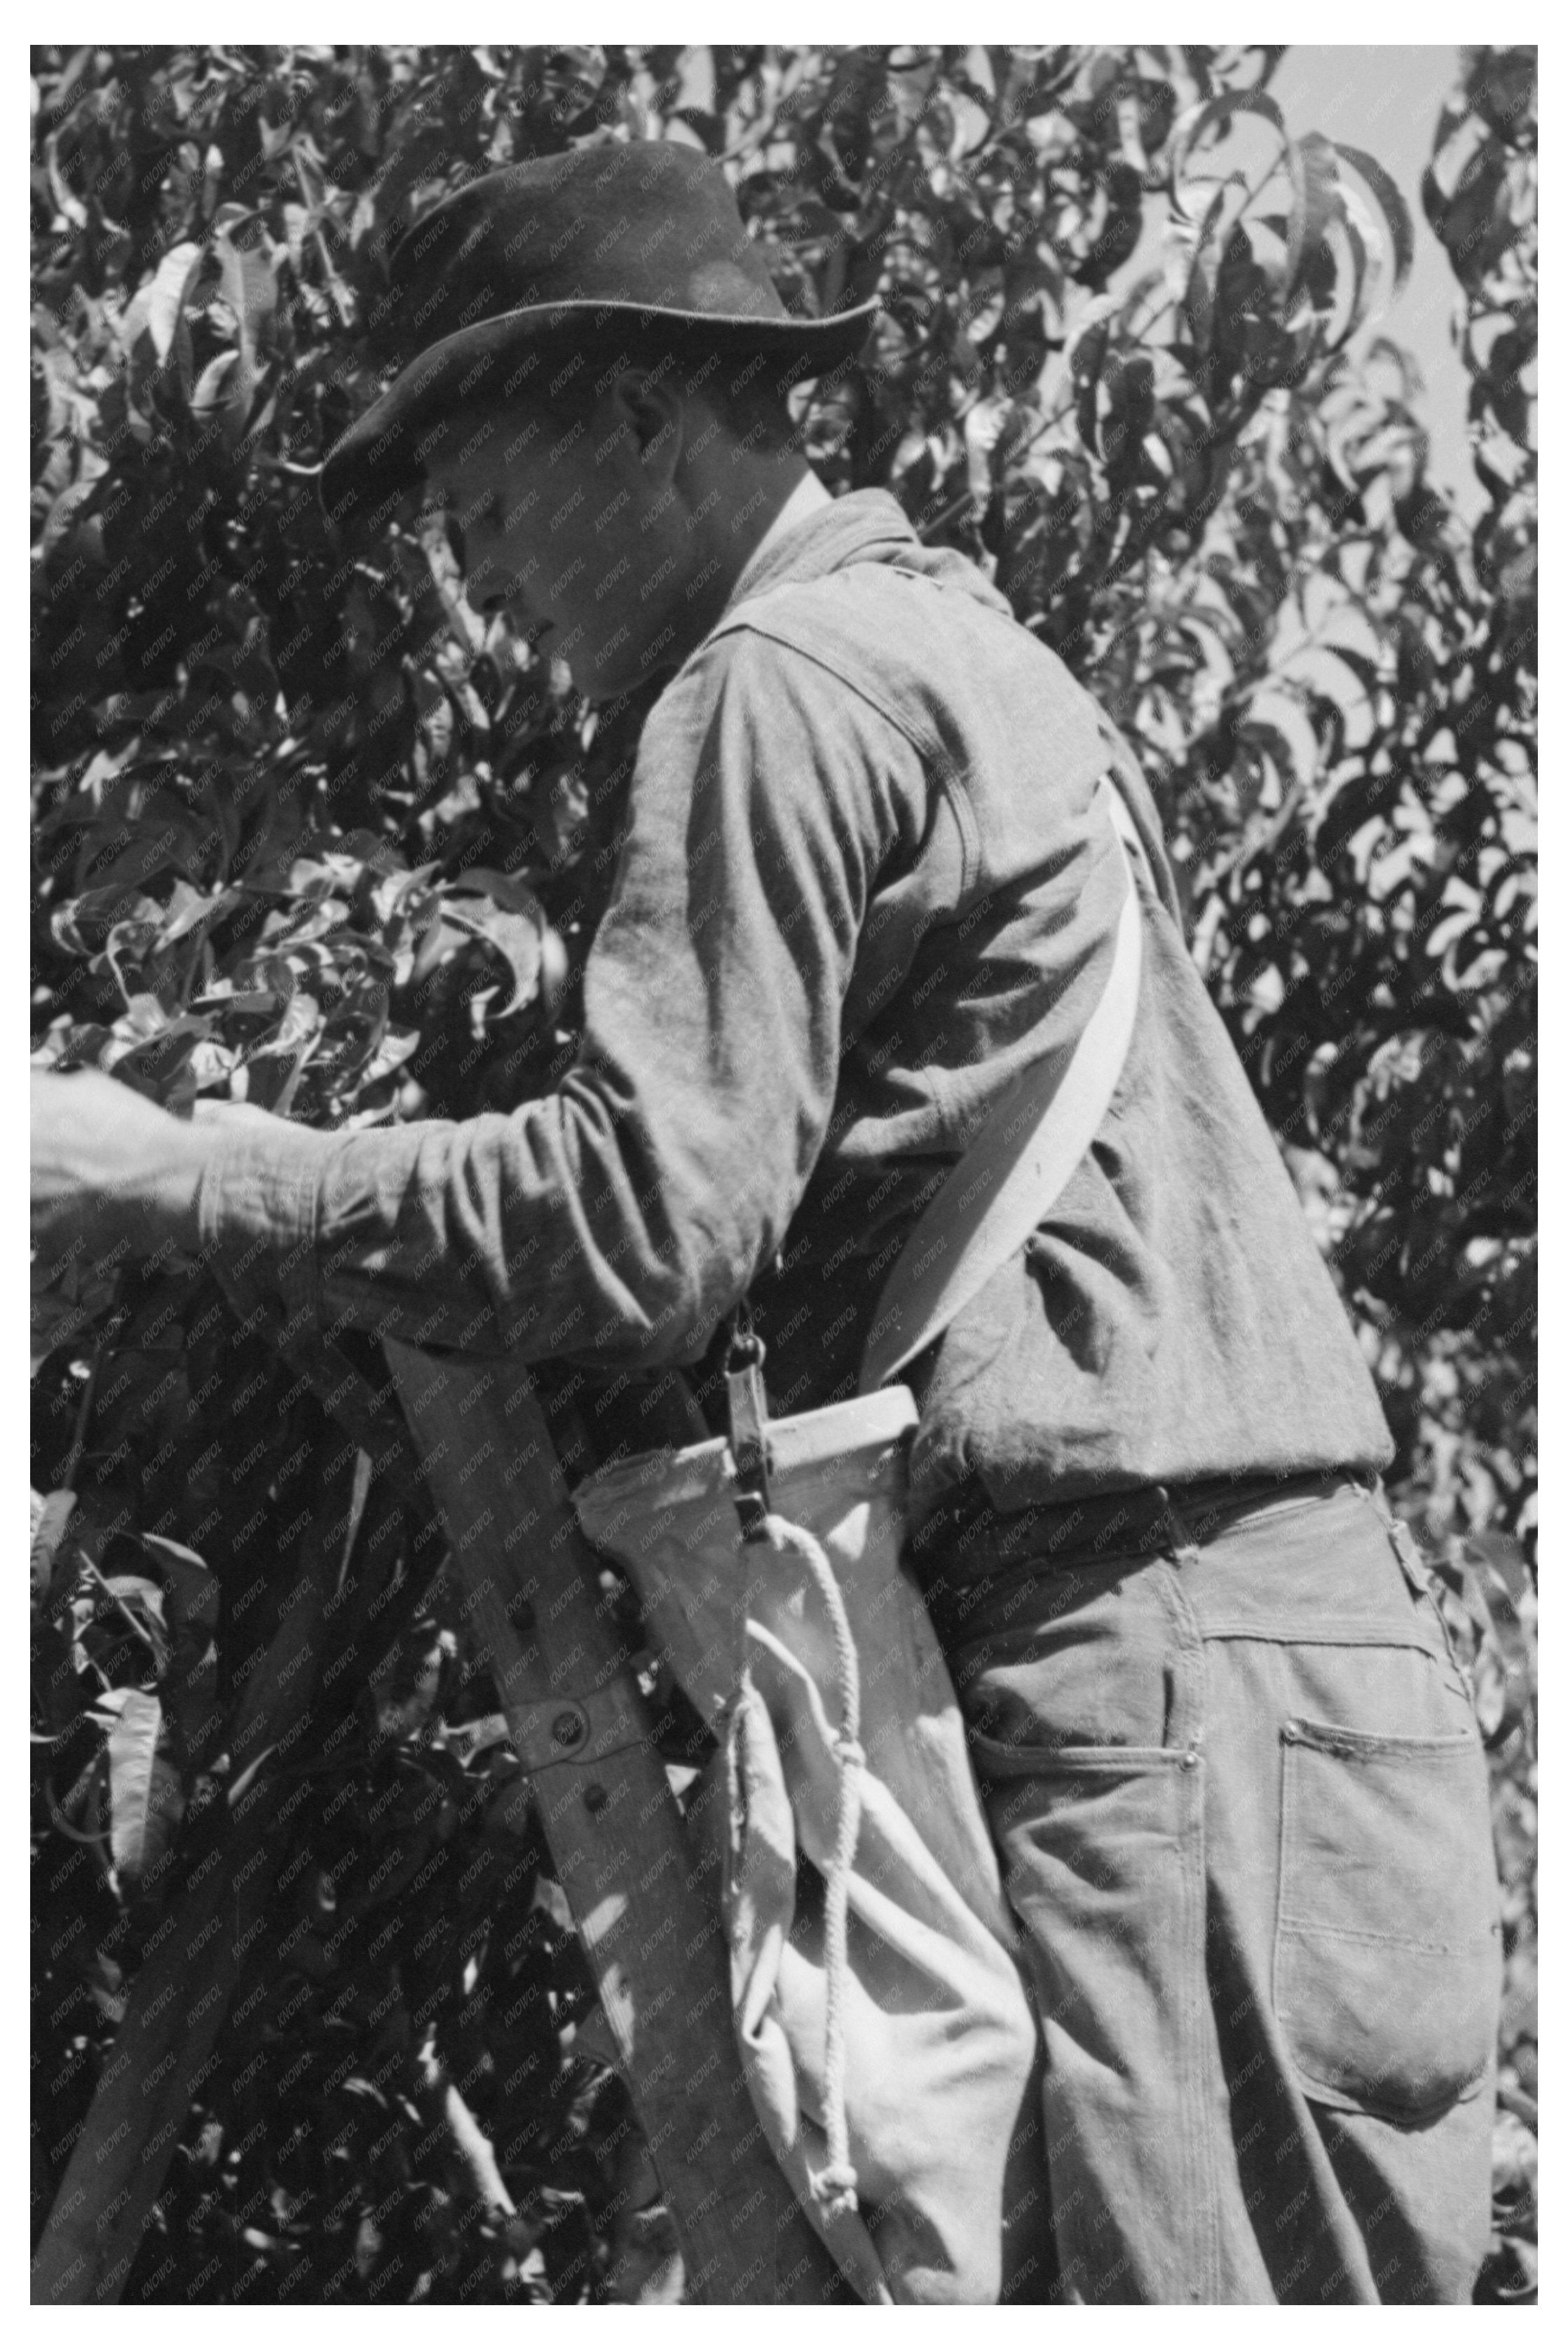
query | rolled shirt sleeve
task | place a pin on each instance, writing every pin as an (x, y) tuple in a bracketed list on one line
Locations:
[(618, 1219)]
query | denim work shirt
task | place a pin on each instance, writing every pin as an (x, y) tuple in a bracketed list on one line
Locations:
[(865, 878)]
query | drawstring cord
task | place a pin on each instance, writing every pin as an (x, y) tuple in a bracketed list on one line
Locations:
[(834, 2186)]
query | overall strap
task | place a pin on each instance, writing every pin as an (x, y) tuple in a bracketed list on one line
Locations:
[(1039, 1126), (1031, 1141)]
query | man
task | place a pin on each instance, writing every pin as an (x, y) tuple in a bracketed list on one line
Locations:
[(1231, 1765)]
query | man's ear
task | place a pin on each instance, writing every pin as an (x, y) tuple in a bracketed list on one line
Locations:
[(654, 413)]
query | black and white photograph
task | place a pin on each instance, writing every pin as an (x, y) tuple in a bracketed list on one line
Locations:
[(783, 1175)]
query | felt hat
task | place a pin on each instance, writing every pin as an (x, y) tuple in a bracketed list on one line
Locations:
[(641, 233)]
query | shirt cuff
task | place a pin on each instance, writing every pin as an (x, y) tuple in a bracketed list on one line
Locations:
[(258, 1215)]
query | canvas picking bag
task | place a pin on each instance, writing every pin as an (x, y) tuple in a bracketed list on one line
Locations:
[(881, 2012)]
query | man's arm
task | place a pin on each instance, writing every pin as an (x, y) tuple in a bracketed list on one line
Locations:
[(617, 1218)]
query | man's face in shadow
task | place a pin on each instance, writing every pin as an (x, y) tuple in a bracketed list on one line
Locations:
[(579, 527)]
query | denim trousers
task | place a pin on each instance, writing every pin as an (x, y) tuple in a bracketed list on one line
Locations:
[(1241, 1801)]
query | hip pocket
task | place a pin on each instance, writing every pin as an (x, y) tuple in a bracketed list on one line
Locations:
[(1388, 1951), (1102, 1850)]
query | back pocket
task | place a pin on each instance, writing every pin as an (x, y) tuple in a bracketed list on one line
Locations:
[(1388, 1949)]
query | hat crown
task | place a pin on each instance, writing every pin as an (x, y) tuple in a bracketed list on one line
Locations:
[(629, 232), (641, 224)]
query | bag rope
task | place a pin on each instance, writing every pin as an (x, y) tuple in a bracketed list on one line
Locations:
[(835, 2185)]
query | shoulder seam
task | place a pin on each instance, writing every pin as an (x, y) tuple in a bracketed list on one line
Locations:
[(929, 753)]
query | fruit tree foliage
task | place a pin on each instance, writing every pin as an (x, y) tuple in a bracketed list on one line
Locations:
[(311, 834)]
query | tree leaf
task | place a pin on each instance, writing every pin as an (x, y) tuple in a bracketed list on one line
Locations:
[(83, 925), (144, 1791), (210, 392), (139, 1588), (157, 307), (50, 1514), (1395, 210), (509, 889), (192, 1587), (1216, 114), (1313, 178), (517, 937)]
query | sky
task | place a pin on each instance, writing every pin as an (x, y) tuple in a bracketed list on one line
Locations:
[(1386, 100)]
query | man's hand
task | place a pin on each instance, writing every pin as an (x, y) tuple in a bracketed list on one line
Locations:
[(114, 1176)]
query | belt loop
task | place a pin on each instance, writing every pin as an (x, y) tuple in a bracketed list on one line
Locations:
[(1183, 1549)]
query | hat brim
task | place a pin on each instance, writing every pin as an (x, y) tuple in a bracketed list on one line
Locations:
[(386, 450)]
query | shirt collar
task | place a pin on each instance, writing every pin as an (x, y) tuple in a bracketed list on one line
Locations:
[(864, 525)]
